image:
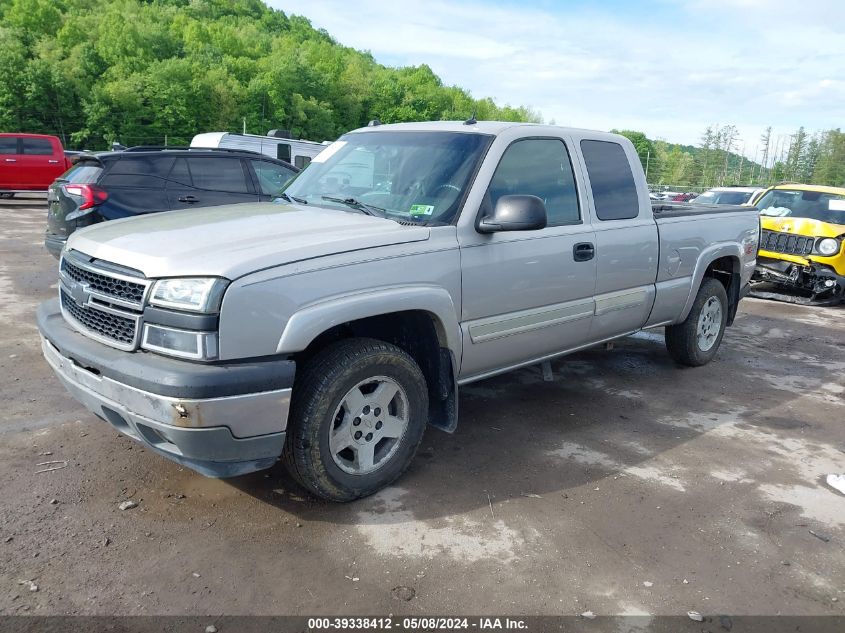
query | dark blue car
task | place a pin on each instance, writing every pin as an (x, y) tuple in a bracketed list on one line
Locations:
[(112, 185)]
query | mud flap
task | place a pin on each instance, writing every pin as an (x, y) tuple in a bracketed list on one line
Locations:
[(734, 295), (443, 395)]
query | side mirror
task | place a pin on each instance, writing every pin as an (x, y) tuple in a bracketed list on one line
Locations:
[(515, 213)]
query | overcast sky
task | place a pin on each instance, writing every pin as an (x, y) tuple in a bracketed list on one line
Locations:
[(666, 68)]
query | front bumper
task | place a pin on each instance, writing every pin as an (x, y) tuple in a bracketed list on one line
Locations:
[(818, 281), (219, 420)]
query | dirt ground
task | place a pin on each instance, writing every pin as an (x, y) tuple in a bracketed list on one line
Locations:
[(625, 486)]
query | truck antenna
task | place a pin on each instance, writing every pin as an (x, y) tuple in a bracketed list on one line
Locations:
[(472, 120)]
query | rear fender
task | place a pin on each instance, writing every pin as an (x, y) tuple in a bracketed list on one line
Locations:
[(707, 257)]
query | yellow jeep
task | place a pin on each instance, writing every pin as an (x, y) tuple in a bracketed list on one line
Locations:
[(802, 228)]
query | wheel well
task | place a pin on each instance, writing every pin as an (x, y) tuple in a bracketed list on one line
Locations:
[(422, 336), (726, 271)]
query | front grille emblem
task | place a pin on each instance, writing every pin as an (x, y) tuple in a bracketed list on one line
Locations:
[(79, 293)]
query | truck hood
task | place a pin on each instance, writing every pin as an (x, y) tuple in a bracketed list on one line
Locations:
[(234, 240)]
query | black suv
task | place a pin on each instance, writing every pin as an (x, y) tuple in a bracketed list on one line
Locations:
[(112, 185)]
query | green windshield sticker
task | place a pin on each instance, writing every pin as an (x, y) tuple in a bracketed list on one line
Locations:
[(421, 209)]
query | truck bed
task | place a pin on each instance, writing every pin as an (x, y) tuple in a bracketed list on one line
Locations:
[(663, 210)]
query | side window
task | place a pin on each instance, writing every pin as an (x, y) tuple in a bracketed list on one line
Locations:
[(37, 147), (301, 162), (283, 152), (157, 165), (143, 172), (271, 177), (218, 174), (8, 145), (611, 180), (539, 167), (180, 173)]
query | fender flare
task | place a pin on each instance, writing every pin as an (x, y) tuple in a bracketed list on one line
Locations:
[(707, 257), (310, 321)]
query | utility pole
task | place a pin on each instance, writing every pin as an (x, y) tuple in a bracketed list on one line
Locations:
[(647, 157)]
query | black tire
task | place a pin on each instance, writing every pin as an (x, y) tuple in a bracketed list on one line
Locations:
[(683, 341), (321, 387)]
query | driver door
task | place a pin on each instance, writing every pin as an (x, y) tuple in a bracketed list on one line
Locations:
[(528, 294)]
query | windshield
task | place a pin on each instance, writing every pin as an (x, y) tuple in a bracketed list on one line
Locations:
[(826, 207), (723, 197), (415, 177)]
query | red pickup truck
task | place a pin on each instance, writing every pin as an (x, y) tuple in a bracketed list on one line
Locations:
[(30, 162)]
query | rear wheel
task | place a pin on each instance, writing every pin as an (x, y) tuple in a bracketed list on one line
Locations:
[(358, 414), (696, 341)]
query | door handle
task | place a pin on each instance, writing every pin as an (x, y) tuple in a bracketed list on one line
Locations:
[(188, 199), (11, 160), (583, 252)]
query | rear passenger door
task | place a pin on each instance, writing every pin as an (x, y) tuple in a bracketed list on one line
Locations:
[(626, 240), (136, 185), (207, 181), (37, 163)]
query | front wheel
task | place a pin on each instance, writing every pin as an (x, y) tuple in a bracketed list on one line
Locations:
[(696, 341), (359, 411)]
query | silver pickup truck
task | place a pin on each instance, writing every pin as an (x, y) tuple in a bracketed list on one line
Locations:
[(331, 327)]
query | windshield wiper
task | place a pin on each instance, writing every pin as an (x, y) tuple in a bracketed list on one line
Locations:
[(290, 198), (367, 209)]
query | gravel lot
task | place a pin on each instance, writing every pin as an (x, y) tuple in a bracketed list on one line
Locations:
[(626, 486)]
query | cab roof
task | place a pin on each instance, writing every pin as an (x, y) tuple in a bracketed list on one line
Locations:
[(479, 127)]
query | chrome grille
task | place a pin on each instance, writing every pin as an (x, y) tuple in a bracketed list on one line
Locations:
[(101, 300), (103, 324), (107, 285), (786, 243)]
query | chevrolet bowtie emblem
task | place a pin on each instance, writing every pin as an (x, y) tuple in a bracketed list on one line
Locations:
[(79, 293)]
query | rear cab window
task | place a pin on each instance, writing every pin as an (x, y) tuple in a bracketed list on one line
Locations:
[(612, 182)]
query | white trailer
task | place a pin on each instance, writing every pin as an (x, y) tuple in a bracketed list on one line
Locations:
[(296, 152)]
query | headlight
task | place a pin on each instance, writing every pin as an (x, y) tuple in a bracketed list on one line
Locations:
[(182, 343), (827, 246), (199, 294)]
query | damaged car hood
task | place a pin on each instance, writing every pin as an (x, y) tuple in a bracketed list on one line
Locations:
[(802, 226), (233, 240)]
